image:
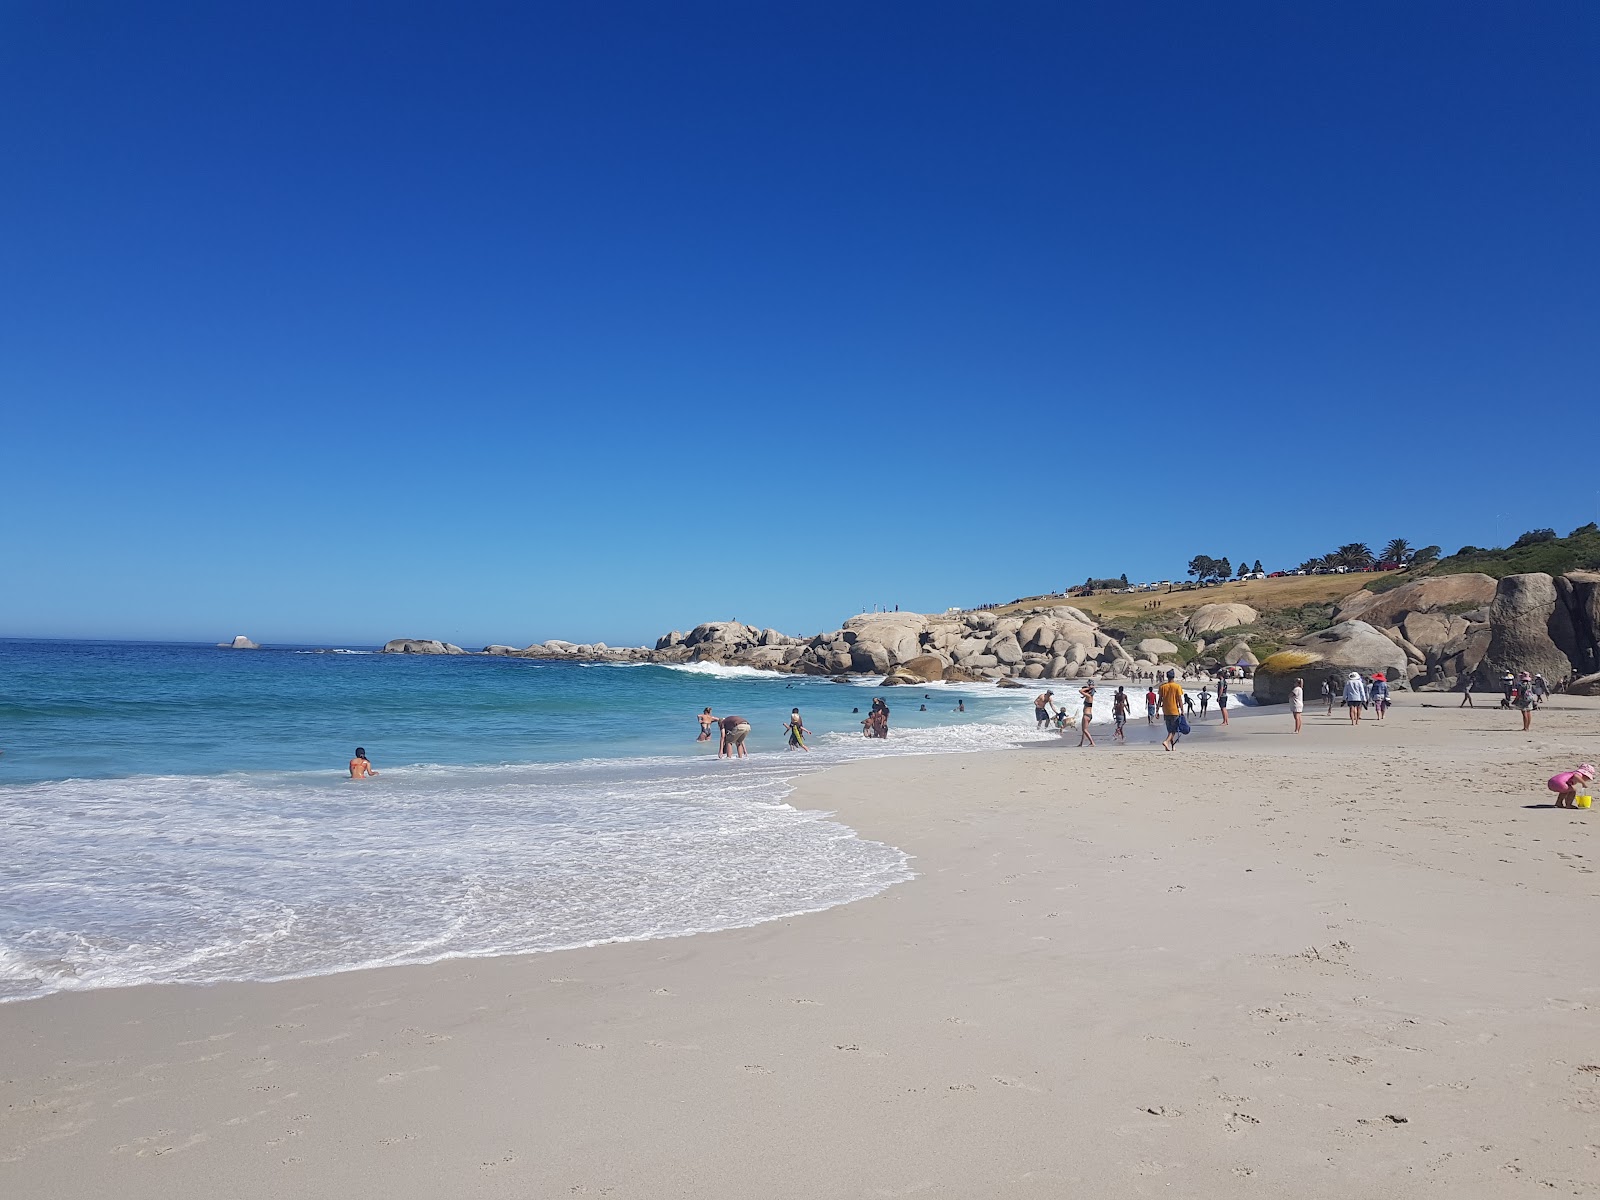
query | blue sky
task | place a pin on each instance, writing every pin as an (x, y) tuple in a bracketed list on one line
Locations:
[(499, 322)]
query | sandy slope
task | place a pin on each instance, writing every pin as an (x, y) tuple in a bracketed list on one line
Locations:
[(1349, 964)]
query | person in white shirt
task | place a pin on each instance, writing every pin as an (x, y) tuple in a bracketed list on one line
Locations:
[(1297, 702)]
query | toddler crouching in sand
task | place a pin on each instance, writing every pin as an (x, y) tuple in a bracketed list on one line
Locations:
[(1565, 785)]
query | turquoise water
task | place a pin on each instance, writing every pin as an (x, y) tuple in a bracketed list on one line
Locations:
[(182, 813), (104, 709)]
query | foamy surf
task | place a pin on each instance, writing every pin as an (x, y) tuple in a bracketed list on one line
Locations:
[(262, 876)]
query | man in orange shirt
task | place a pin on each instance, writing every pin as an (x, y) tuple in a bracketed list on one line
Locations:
[(1171, 708)]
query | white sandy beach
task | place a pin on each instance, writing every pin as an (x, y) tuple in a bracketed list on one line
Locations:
[(1351, 963)]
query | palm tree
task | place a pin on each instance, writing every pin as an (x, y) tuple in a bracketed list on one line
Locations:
[(1397, 550), (1354, 554)]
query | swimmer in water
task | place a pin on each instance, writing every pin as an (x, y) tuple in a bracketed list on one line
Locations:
[(707, 721), (360, 768)]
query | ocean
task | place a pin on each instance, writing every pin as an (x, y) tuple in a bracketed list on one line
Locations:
[(182, 813)]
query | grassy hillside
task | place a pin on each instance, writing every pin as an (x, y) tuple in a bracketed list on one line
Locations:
[(1578, 551), (1263, 595)]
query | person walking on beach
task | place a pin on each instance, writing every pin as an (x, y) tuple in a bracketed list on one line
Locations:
[(1150, 702), (706, 722), (1466, 692), (360, 768), (1327, 693), (1355, 696), (1120, 704), (1222, 697), (1172, 699), (1042, 704), (1380, 695), (1087, 692), (734, 732), (1188, 704), (796, 731), (1297, 702), (1205, 700)]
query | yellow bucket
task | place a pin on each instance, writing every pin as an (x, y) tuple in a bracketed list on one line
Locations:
[(1583, 801)]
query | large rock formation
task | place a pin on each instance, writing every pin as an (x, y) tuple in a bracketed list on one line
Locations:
[(420, 646), (1425, 595), (1528, 630), (1209, 618), (239, 643), (1155, 648), (1347, 646)]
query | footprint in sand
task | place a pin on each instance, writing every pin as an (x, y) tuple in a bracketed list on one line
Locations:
[(1239, 1122), (397, 1076), (1007, 1081)]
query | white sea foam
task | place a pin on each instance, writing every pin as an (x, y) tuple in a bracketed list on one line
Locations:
[(266, 876), (722, 671)]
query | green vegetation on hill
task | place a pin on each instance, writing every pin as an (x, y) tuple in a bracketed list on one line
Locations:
[(1536, 550)]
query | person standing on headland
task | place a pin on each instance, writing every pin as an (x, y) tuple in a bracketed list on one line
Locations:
[(360, 768), (1171, 694), (734, 732)]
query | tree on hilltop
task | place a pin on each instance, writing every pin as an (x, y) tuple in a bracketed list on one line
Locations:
[(1243, 569), (1257, 568), (1427, 554), (1397, 550), (1354, 554)]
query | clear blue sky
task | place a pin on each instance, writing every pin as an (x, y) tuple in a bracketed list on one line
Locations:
[(513, 321)]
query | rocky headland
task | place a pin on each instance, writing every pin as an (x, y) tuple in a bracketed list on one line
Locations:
[(1429, 634)]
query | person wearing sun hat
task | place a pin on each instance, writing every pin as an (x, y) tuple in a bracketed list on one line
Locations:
[(1522, 699), (1565, 785), (1379, 691), (1355, 696)]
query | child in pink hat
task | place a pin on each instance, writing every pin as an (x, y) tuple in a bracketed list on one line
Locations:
[(1565, 785)]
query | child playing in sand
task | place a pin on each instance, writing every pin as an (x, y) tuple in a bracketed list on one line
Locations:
[(1565, 785)]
